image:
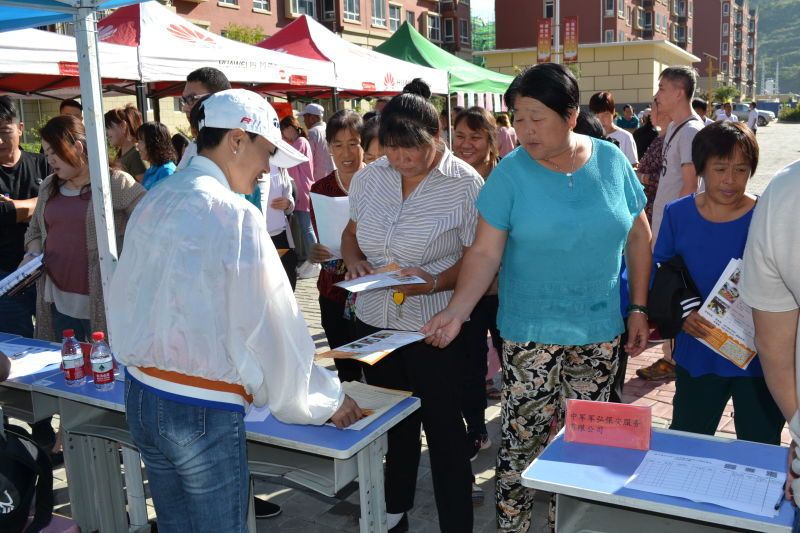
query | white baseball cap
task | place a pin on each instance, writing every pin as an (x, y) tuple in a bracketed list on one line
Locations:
[(240, 108), (313, 109)]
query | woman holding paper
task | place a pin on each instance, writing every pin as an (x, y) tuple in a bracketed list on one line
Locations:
[(707, 230), (343, 133), (70, 294), (558, 213), (416, 208)]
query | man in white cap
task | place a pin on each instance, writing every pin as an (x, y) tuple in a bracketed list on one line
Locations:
[(204, 319)]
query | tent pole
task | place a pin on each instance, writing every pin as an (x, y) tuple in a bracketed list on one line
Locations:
[(335, 99), (86, 40), (156, 103), (141, 100), (449, 115)]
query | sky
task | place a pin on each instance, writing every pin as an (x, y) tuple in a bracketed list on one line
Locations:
[(483, 9)]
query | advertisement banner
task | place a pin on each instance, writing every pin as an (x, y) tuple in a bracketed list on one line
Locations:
[(543, 43), (570, 39)]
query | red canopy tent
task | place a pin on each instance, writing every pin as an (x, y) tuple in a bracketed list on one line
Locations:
[(359, 71)]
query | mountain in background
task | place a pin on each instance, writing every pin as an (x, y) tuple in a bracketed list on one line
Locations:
[(779, 39)]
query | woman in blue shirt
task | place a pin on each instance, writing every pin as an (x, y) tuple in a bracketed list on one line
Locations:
[(155, 146), (558, 213), (707, 230)]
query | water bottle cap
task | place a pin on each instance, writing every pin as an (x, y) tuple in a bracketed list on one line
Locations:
[(98, 336), (68, 333)]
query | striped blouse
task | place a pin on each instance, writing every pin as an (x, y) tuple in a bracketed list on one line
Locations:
[(429, 229)]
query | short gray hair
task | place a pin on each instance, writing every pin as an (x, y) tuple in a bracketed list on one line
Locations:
[(683, 75)]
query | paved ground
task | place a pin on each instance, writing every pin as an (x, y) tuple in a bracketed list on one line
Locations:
[(308, 512)]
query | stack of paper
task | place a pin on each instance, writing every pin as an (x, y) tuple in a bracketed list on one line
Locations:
[(373, 348), (23, 277)]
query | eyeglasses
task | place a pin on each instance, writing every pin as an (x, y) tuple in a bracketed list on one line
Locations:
[(190, 99)]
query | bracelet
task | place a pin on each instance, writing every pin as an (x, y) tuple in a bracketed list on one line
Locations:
[(435, 283), (633, 308)]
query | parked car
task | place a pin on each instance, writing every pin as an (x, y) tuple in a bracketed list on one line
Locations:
[(764, 117)]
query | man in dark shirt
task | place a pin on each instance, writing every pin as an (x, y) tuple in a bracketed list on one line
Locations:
[(20, 175)]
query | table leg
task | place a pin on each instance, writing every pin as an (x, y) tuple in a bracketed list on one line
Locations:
[(137, 506), (77, 462), (370, 486), (109, 494)]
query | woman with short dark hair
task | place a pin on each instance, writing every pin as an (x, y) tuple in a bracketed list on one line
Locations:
[(155, 147), (708, 229), (369, 140), (122, 123), (415, 209), (602, 105), (559, 213), (343, 134)]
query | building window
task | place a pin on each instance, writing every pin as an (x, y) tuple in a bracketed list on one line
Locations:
[(394, 17), (352, 10), (304, 7), (726, 28), (628, 16), (411, 17), (690, 7), (648, 19), (620, 8), (609, 8), (379, 12), (725, 68), (608, 36), (329, 9), (689, 34), (548, 9), (263, 5), (726, 8), (449, 35), (434, 28), (724, 49), (464, 31), (229, 2)]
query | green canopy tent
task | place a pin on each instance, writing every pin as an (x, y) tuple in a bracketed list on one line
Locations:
[(410, 45)]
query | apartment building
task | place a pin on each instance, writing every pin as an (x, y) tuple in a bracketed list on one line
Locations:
[(726, 40), (364, 22), (599, 21)]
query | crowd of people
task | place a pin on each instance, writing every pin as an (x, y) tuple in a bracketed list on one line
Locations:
[(536, 232)]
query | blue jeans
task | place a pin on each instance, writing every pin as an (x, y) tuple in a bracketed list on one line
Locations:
[(306, 231), (17, 312), (81, 326), (196, 460)]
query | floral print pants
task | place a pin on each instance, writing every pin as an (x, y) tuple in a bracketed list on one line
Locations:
[(537, 381)]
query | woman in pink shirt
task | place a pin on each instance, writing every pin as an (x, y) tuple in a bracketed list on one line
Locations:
[(506, 136), (303, 176)]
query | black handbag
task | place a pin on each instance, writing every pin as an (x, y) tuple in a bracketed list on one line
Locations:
[(673, 296)]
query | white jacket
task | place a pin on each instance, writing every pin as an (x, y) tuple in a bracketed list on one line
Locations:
[(200, 304)]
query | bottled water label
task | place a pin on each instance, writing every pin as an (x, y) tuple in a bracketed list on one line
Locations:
[(73, 368), (103, 371)]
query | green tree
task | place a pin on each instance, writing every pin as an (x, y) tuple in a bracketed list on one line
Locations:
[(243, 33), (725, 93)]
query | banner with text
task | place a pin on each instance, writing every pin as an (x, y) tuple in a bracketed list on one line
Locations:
[(570, 39), (543, 46)]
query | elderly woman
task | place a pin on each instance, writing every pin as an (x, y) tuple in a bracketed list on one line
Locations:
[(343, 134), (416, 208), (475, 142), (70, 294), (707, 230), (558, 213), (205, 321)]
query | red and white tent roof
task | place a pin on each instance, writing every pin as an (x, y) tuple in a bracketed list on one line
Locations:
[(34, 62), (170, 47), (358, 69)]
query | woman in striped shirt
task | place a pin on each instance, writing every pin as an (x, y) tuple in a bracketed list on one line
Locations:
[(416, 208)]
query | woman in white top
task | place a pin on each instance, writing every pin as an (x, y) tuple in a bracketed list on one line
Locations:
[(415, 208), (602, 105)]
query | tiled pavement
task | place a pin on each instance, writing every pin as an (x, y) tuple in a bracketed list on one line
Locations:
[(308, 512)]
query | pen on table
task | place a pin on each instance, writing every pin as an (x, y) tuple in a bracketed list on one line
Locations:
[(780, 500)]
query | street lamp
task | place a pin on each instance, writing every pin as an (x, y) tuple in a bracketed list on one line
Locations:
[(709, 72)]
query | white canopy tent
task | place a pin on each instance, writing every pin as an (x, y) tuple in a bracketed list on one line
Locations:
[(40, 63), (168, 48)]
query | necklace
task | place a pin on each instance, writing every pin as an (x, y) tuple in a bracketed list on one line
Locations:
[(570, 182), (339, 182)]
